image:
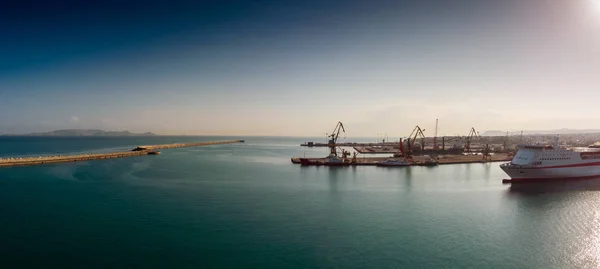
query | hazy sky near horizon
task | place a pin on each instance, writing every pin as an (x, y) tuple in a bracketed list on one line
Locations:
[(298, 67)]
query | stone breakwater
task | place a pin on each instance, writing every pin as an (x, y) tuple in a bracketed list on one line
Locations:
[(183, 145), (139, 151), (67, 158)]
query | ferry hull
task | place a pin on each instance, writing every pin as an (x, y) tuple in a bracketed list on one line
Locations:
[(549, 173)]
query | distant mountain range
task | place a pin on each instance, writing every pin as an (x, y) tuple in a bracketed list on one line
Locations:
[(87, 132), (541, 132)]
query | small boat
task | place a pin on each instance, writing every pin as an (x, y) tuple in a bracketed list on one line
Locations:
[(332, 160), (429, 163), (393, 162)]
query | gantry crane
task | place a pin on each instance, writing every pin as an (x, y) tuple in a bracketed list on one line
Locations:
[(333, 137), (472, 134)]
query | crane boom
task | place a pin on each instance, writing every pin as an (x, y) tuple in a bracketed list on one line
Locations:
[(472, 134), (417, 132), (339, 127)]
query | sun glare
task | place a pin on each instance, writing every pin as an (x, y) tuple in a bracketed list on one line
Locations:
[(595, 5)]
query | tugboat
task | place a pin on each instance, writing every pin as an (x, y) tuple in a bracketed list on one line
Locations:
[(393, 162)]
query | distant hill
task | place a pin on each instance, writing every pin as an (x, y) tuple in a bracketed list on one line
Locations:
[(87, 132), (541, 132), (493, 133)]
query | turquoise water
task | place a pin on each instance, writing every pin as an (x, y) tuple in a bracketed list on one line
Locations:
[(246, 206)]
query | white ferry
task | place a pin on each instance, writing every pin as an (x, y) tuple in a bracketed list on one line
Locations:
[(545, 162)]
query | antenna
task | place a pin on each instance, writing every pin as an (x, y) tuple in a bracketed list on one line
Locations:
[(521, 137), (435, 146)]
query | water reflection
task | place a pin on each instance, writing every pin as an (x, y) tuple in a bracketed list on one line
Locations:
[(468, 174), (558, 215), (408, 178), (333, 178), (557, 186), (486, 170), (304, 172)]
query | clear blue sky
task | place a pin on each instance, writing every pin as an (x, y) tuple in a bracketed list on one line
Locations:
[(297, 67)]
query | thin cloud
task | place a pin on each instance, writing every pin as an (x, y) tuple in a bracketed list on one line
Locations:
[(74, 119)]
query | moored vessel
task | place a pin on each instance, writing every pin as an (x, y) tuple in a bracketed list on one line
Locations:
[(429, 163), (333, 160), (306, 161), (548, 162), (393, 162)]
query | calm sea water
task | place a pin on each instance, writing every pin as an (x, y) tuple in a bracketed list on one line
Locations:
[(247, 206)]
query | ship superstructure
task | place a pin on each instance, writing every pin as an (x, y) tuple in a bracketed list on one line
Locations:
[(539, 162)]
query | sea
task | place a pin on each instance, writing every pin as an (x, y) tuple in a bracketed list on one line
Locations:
[(247, 206)]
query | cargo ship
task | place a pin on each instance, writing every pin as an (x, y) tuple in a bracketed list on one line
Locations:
[(548, 162)]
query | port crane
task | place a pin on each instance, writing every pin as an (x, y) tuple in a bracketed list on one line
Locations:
[(333, 137), (417, 132), (472, 134)]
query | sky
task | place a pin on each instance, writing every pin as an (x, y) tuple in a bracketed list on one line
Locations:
[(296, 68)]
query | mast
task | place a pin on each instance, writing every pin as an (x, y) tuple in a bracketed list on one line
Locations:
[(521, 137), (435, 146)]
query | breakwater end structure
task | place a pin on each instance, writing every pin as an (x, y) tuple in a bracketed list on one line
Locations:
[(139, 151)]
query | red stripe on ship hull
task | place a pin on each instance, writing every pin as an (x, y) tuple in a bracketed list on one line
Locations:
[(563, 166), (525, 180)]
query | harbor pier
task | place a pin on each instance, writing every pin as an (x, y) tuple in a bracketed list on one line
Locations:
[(138, 151)]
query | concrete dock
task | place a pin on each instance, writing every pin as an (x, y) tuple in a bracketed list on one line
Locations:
[(139, 151)]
